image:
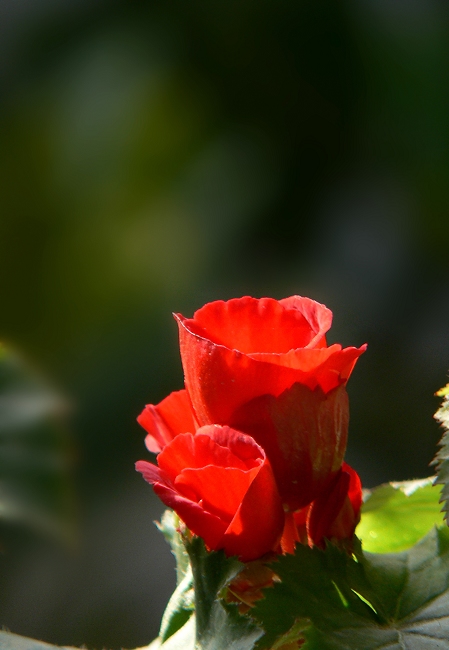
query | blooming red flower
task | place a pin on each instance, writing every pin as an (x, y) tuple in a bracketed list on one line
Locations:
[(220, 483), (264, 367)]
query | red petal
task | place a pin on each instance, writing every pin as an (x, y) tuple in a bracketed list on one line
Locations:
[(263, 325), (290, 536), (197, 451), (204, 524), (259, 521), (219, 379), (304, 435), (240, 444), (300, 517), (150, 472), (220, 489), (355, 492), (325, 509), (318, 316), (335, 513), (337, 369), (165, 420)]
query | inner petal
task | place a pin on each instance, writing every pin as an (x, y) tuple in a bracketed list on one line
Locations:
[(305, 359), (220, 489), (260, 325), (196, 451)]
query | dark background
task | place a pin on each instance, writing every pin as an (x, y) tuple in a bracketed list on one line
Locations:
[(158, 155)]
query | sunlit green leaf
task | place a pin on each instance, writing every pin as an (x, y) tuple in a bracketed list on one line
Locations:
[(394, 601), (397, 515), (313, 585)]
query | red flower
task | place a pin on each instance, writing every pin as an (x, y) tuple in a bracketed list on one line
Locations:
[(263, 367), (221, 485)]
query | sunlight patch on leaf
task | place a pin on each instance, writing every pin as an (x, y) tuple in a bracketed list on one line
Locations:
[(397, 515)]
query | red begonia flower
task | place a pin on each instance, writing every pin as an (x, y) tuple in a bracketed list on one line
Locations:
[(333, 515), (165, 420), (263, 367), (220, 483)]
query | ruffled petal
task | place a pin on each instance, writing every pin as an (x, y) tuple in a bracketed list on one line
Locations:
[(205, 524), (188, 451), (235, 508), (263, 325), (220, 380), (166, 420)]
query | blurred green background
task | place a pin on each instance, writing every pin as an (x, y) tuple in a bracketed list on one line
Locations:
[(158, 155)]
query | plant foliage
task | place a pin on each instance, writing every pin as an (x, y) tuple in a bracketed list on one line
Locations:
[(392, 601), (442, 458), (397, 515)]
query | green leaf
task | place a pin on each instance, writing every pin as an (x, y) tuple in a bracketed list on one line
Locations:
[(313, 585), (397, 515), (394, 601), (219, 625), (35, 452), (180, 608), (441, 459)]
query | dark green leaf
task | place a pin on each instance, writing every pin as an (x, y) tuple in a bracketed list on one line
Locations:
[(35, 452), (392, 601), (219, 626), (441, 460), (397, 515)]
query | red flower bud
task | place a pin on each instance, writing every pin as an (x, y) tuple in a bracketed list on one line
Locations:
[(220, 483), (336, 512), (333, 515)]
